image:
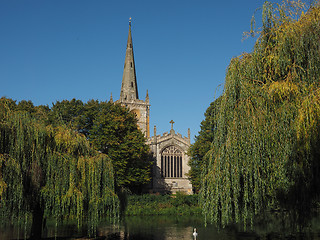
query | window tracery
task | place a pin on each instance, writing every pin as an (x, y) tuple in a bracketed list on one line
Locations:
[(171, 162)]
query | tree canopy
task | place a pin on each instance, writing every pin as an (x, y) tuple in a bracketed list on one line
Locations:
[(265, 153), (111, 129), (115, 133), (51, 171), (68, 161), (202, 144)]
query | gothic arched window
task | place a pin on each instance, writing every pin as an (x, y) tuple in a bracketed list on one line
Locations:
[(171, 162)]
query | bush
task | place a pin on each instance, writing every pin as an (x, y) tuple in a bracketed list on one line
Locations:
[(179, 204)]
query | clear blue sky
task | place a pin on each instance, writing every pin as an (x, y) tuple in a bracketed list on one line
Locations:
[(51, 50)]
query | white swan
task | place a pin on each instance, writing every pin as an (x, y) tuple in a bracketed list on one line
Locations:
[(195, 234)]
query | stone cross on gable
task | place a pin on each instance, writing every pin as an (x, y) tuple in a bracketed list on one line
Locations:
[(172, 122)]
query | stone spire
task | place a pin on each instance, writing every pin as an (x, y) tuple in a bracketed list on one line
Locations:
[(129, 88)]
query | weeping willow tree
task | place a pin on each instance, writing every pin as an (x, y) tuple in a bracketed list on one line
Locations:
[(51, 172), (266, 149)]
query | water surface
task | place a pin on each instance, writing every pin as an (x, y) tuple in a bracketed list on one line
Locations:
[(166, 228)]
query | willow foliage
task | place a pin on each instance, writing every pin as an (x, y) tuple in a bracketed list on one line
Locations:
[(265, 153), (50, 171)]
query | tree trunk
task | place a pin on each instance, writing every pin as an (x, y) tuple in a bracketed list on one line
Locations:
[(37, 220)]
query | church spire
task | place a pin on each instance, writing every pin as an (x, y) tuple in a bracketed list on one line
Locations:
[(129, 88)]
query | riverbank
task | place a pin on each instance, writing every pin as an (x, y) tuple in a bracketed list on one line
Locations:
[(162, 205)]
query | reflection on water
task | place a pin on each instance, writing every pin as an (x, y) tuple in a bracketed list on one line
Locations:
[(164, 228), (175, 228), (160, 228)]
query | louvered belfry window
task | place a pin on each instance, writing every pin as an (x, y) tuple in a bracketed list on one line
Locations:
[(171, 163)]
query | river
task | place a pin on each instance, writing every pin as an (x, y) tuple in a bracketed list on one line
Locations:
[(166, 228)]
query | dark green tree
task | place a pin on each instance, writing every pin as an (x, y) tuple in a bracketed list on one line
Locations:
[(48, 171), (67, 112), (202, 144), (111, 129), (26, 106), (116, 134), (91, 111)]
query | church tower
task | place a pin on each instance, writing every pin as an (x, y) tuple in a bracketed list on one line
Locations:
[(129, 90), (169, 150)]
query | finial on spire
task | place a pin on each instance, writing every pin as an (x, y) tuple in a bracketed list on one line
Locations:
[(111, 98), (130, 21)]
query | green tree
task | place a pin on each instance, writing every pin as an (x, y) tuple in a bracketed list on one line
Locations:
[(202, 144), (67, 112), (265, 151), (112, 130), (92, 110), (26, 106), (48, 171), (6, 105), (116, 134), (42, 113)]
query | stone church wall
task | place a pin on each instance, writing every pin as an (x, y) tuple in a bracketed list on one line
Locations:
[(170, 184)]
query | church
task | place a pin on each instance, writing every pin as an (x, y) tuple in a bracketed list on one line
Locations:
[(169, 149)]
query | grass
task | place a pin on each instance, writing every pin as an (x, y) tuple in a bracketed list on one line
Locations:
[(156, 205)]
